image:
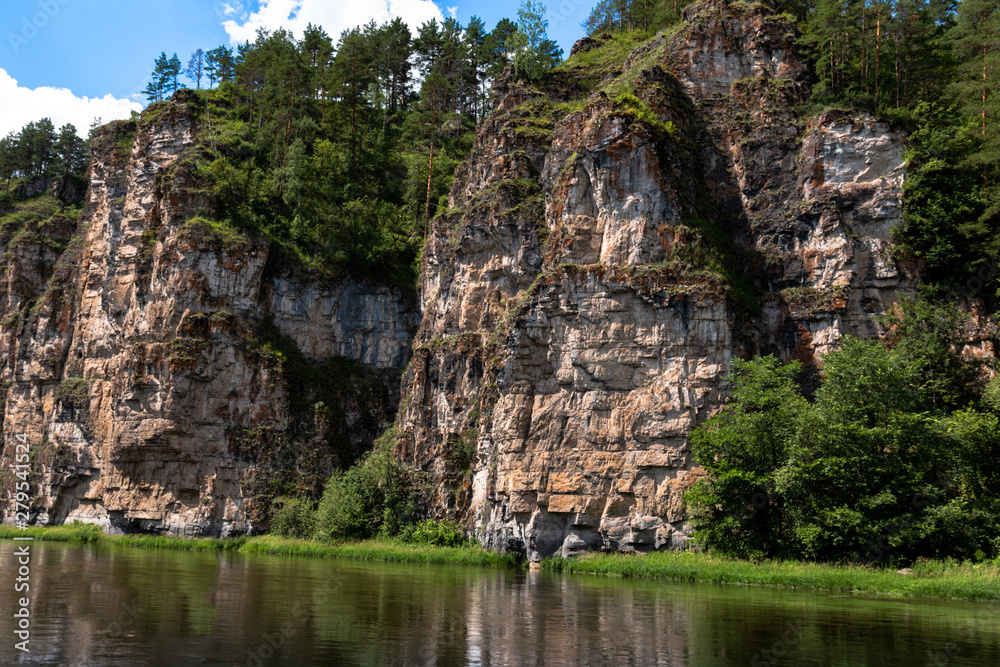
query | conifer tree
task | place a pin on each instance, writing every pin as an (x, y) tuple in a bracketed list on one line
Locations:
[(8, 159), (70, 151), (976, 37), (156, 88), (496, 53), (220, 65)]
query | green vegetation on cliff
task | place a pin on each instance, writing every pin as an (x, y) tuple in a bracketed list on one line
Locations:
[(333, 149), (929, 65), (896, 458)]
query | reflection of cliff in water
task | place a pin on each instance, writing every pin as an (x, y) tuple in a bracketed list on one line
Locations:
[(103, 607)]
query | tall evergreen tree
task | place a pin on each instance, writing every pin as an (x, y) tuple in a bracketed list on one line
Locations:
[(475, 39), (70, 151), (220, 66), (496, 54), (976, 36), (8, 158), (156, 88), (172, 73)]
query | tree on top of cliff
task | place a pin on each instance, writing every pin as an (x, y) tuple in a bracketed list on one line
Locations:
[(628, 15), (37, 150), (196, 67), (165, 78), (220, 66), (533, 52)]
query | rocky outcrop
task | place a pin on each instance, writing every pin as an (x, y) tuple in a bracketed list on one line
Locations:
[(615, 238), (167, 376), (68, 189), (603, 261)]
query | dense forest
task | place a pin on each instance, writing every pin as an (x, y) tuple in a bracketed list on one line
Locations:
[(341, 150)]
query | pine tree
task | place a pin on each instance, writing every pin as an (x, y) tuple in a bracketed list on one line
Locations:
[(156, 88), (70, 151), (475, 39), (317, 54), (977, 48), (219, 65), (496, 55), (196, 67), (173, 73), (397, 46), (8, 158), (352, 71)]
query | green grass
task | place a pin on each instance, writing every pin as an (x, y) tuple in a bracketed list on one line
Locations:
[(380, 550), (371, 550), (74, 532), (218, 234), (934, 579)]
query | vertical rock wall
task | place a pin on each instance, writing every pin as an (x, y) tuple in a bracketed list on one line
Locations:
[(601, 267), (157, 363)]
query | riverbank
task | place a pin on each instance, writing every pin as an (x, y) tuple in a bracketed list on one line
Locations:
[(933, 579), (979, 582), (371, 550)]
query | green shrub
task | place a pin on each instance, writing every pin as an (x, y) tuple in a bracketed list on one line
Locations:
[(372, 497), (439, 533), (293, 517), (869, 471)]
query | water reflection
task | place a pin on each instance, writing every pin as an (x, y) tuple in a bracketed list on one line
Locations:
[(136, 607)]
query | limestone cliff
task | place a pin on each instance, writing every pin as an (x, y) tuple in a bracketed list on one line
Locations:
[(618, 234), (620, 231), (168, 375)]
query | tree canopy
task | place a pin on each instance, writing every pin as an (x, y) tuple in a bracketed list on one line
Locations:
[(340, 150), (38, 150), (897, 456)]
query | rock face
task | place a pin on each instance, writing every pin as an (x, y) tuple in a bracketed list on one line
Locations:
[(600, 268), (164, 374)]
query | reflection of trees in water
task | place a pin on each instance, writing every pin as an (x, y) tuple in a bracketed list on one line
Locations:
[(138, 606)]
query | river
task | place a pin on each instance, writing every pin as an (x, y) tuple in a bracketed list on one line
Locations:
[(98, 606)]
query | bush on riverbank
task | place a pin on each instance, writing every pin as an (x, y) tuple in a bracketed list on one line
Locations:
[(896, 457), (373, 497)]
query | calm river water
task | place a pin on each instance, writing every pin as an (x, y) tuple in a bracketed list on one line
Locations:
[(112, 606)]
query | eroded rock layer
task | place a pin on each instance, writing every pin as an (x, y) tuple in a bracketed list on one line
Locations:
[(603, 261), (167, 377)]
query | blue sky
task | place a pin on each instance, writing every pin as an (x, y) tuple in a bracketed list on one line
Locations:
[(74, 60)]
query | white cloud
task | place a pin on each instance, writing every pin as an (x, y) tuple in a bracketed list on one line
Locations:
[(334, 16), (453, 12), (229, 10), (20, 106)]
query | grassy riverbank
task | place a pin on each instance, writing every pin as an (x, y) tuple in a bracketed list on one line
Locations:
[(371, 550), (935, 579)]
